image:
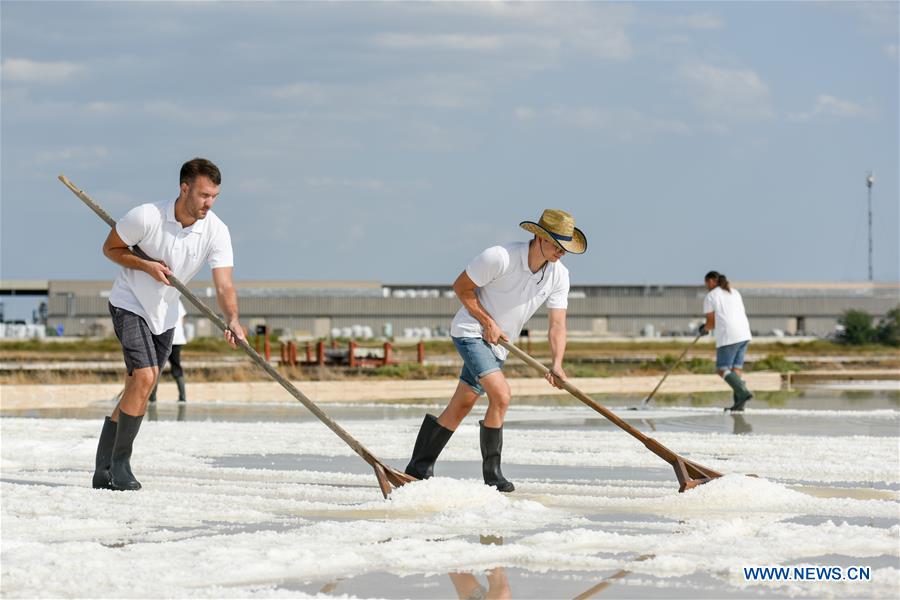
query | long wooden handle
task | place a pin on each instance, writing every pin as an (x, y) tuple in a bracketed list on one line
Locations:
[(251, 352), (526, 358), (689, 473), (672, 368)]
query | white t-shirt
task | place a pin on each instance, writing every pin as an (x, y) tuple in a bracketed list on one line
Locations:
[(184, 249), (732, 325), (510, 292)]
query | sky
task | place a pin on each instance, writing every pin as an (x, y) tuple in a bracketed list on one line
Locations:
[(395, 141)]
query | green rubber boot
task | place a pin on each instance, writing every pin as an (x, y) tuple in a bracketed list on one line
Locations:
[(741, 394)]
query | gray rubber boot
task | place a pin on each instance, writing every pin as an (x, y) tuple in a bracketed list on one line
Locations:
[(120, 473), (741, 393), (104, 455), (153, 394), (491, 448), (179, 381), (429, 443)]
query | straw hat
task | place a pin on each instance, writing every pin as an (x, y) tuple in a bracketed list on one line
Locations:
[(558, 226)]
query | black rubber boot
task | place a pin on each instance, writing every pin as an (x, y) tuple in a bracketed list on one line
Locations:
[(104, 455), (491, 447), (431, 440), (121, 476), (741, 394), (179, 381)]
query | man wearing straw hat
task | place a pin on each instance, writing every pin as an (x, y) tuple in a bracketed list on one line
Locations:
[(500, 290), (181, 235)]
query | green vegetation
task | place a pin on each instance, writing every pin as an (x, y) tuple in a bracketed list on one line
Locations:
[(889, 329), (700, 365), (775, 362), (859, 328), (693, 365)]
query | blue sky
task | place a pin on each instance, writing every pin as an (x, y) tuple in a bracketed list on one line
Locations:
[(394, 141)]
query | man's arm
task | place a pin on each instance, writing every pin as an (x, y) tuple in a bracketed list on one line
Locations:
[(116, 250), (465, 291), (228, 304), (557, 337)]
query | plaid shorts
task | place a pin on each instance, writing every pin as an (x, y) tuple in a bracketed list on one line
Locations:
[(140, 347)]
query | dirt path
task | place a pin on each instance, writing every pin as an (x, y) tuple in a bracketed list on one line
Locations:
[(59, 396)]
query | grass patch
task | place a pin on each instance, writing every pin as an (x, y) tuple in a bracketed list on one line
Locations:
[(775, 362)]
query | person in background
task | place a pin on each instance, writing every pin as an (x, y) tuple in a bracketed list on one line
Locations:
[(178, 340), (725, 314)]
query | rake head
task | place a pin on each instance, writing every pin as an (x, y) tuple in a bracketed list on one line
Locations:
[(389, 478), (690, 474)]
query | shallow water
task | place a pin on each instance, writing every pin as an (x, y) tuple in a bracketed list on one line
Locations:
[(263, 500)]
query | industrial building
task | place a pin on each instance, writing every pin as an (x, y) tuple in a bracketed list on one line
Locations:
[(318, 309)]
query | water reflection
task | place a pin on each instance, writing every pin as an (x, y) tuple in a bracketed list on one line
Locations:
[(649, 423), (741, 425), (469, 588), (153, 412), (596, 589)]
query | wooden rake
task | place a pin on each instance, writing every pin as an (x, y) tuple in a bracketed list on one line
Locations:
[(689, 473), (668, 372), (388, 478)]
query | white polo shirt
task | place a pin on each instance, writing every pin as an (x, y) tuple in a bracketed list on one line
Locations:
[(732, 325), (154, 228), (510, 292)]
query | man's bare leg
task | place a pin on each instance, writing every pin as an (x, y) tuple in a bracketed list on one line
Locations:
[(464, 398), (499, 395), (138, 387)]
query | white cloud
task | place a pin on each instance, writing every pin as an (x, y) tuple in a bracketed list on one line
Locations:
[(441, 41), (31, 71), (699, 21), (523, 113), (256, 186), (81, 156), (369, 185), (728, 93), (177, 112), (626, 124), (599, 29), (829, 106), (104, 108), (874, 17), (310, 92), (431, 90), (666, 21)]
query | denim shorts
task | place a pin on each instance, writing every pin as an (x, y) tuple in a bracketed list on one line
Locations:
[(731, 356), (478, 361)]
